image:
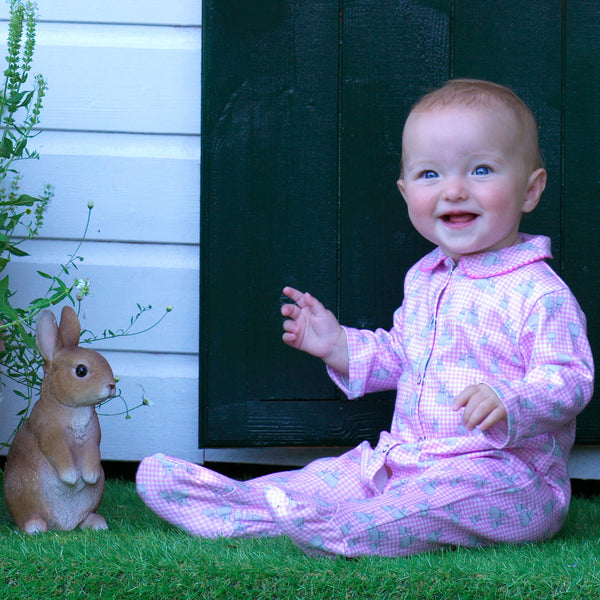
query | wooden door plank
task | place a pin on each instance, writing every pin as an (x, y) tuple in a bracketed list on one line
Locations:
[(309, 422), (392, 54), (519, 45), (270, 137), (582, 184)]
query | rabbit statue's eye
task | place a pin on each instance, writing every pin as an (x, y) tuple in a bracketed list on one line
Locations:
[(81, 370)]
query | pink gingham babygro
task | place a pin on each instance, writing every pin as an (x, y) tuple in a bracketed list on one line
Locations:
[(502, 318)]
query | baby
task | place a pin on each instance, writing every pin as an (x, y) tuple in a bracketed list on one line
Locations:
[(488, 354)]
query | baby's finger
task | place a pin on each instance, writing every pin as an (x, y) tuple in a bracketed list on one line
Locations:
[(475, 413), (290, 326), (290, 310), (293, 294), (497, 415), (313, 304), (289, 338), (463, 398)]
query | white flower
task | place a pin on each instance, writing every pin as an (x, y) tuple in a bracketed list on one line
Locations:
[(83, 285)]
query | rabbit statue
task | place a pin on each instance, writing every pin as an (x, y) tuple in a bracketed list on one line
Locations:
[(53, 478)]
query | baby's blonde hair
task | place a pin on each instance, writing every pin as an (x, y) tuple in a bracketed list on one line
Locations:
[(478, 93)]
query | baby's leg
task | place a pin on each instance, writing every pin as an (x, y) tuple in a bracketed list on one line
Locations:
[(201, 501), (427, 513), (209, 504), (338, 478)]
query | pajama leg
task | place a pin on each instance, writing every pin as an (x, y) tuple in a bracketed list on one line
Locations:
[(208, 504), (442, 507), (354, 475), (202, 502)]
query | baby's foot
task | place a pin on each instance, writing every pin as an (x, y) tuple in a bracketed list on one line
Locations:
[(306, 521), (200, 501)]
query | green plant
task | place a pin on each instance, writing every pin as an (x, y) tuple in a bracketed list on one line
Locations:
[(21, 217)]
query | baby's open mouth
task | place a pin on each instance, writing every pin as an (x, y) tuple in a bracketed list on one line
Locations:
[(459, 218)]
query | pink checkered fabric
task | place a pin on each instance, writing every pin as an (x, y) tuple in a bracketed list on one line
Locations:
[(503, 318)]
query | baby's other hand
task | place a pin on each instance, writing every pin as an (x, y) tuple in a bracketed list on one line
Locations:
[(309, 326), (482, 407)]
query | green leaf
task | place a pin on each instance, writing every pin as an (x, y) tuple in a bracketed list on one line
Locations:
[(40, 303), (6, 310), (24, 200), (27, 338), (5, 148), (20, 147), (16, 251), (27, 98)]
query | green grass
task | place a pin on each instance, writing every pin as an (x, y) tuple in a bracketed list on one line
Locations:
[(143, 557)]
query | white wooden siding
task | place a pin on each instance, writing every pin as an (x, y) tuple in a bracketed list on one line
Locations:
[(147, 12), (121, 127)]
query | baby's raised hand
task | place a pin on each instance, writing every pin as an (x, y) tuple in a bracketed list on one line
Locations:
[(310, 327), (482, 407)]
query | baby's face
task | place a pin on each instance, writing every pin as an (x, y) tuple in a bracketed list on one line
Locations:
[(467, 177)]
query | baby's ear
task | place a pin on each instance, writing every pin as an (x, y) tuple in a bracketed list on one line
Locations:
[(400, 184), (535, 186)]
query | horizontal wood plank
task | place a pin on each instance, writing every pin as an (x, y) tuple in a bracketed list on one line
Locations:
[(100, 77), (175, 12), (144, 188), (122, 275), (169, 424)]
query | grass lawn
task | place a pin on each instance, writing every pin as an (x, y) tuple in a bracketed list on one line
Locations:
[(143, 557)]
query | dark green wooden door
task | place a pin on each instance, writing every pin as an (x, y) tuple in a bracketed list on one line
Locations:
[(303, 106)]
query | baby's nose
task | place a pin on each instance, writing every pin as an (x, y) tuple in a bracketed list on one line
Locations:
[(454, 189)]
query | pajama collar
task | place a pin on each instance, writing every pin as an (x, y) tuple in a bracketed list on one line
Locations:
[(496, 262)]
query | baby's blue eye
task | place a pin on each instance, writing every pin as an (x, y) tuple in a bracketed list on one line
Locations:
[(482, 170), (429, 174)]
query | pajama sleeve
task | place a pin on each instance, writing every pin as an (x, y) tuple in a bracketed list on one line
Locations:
[(376, 361), (559, 372)]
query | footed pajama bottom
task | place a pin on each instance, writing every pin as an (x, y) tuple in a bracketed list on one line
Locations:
[(360, 503)]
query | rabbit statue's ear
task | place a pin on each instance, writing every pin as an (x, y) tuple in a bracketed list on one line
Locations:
[(47, 334), (69, 327)]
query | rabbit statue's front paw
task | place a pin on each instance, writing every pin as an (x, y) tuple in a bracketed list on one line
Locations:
[(91, 476), (69, 476)]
